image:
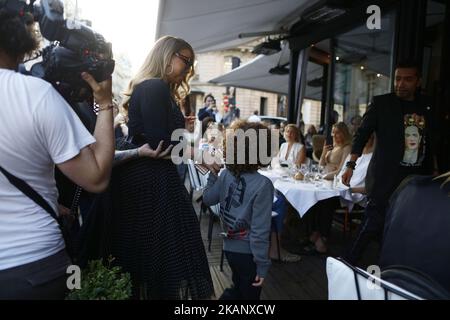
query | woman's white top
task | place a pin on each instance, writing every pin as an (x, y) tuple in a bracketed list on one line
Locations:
[(284, 157)]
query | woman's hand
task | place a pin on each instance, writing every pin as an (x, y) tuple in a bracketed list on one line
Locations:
[(327, 147), (119, 120), (213, 168), (124, 128), (258, 281), (189, 120), (146, 151), (212, 159)]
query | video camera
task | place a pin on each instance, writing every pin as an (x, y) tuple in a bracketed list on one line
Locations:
[(76, 48)]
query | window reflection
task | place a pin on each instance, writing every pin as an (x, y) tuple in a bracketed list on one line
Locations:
[(363, 60)]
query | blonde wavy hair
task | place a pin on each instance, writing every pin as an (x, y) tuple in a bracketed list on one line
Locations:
[(155, 67), (297, 133), (343, 128)]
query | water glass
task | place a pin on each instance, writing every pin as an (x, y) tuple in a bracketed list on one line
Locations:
[(304, 169)]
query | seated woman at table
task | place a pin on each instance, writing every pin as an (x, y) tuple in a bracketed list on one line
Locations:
[(293, 150), (320, 216), (333, 156)]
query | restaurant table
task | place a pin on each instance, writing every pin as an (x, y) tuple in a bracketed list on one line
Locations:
[(302, 195), (274, 174)]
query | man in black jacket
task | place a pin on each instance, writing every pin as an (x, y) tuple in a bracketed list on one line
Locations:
[(402, 122)]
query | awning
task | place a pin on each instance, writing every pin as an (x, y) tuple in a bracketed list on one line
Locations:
[(358, 45), (196, 90), (210, 25), (255, 75)]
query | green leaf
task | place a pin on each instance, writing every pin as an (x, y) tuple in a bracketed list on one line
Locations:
[(100, 282)]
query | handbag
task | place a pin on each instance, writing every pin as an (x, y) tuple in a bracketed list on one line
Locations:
[(66, 223)]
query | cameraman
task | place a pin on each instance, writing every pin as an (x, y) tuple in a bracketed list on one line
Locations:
[(39, 129)]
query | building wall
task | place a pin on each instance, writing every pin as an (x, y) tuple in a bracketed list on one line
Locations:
[(249, 101), (213, 64), (311, 113)]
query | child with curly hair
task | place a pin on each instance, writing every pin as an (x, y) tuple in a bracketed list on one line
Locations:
[(245, 198)]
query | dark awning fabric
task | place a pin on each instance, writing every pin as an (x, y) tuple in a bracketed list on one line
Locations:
[(255, 75), (210, 25)]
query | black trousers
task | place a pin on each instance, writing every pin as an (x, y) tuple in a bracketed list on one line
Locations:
[(41, 280), (371, 229), (321, 216), (244, 273)]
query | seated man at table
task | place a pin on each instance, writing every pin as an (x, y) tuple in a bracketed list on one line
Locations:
[(320, 216)]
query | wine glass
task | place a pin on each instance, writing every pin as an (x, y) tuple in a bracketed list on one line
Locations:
[(304, 170), (292, 169), (321, 173), (316, 175)]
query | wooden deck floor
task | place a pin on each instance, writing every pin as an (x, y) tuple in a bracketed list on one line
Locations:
[(303, 280)]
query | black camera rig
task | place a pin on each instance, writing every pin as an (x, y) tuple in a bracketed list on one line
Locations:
[(75, 48)]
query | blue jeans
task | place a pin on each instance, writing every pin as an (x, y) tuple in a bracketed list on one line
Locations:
[(280, 207)]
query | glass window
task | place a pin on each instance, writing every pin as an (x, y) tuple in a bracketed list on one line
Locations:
[(363, 60), (312, 103), (432, 53), (282, 106)]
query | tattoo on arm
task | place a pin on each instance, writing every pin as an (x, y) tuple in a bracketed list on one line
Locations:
[(124, 156)]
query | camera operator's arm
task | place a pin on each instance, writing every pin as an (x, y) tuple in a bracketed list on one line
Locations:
[(91, 168)]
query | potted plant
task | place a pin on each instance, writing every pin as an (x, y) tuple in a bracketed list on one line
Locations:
[(103, 282)]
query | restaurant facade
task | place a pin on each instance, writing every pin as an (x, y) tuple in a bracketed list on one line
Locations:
[(339, 53), (354, 46)]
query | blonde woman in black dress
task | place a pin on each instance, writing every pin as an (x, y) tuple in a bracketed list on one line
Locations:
[(156, 232)]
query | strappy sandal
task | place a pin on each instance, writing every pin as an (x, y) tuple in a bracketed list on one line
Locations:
[(312, 251), (290, 257)]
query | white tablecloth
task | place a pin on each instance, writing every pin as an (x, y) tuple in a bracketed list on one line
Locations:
[(274, 174), (302, 196)]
